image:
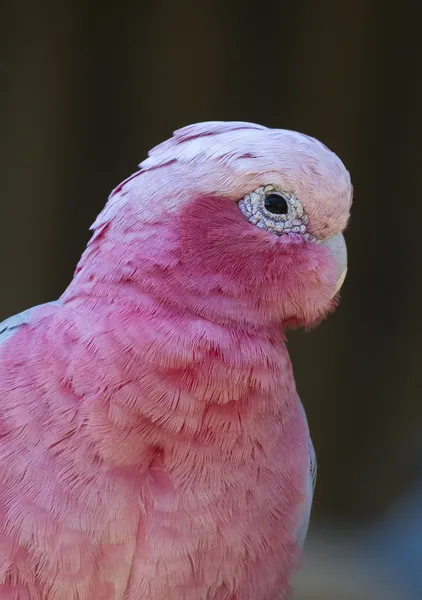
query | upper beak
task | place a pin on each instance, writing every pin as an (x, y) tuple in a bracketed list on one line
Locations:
[(337, 246)]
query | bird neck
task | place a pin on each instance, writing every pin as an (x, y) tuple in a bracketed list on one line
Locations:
[(152, 375)]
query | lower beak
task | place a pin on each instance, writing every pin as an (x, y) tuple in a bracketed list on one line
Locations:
[(337, 246)]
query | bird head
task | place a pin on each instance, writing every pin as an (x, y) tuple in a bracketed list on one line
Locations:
[(233, 221)]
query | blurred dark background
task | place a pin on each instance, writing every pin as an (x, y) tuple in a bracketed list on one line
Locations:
[(86, 88)]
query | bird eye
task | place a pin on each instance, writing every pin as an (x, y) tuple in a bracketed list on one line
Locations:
[(276, 204), (276, 210)]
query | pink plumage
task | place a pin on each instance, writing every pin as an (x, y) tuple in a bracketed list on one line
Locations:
[(153, 445)]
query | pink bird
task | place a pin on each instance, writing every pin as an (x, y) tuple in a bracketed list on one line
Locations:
[(152, 442)]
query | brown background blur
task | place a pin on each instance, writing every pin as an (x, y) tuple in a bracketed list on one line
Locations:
[(86, 88)]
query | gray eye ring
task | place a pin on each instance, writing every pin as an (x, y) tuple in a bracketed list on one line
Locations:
[(254, 209)]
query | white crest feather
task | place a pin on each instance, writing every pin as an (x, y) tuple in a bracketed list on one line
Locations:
[(191, 142)]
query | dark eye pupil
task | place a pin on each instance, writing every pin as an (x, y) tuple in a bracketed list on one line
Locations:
[(276, 204)]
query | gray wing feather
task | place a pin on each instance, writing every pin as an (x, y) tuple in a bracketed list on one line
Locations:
[(12, 324), (303, 529)]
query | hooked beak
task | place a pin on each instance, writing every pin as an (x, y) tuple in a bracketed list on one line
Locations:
[(337, 246)]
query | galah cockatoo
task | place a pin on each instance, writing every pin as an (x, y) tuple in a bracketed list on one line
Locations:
[(153, 445)]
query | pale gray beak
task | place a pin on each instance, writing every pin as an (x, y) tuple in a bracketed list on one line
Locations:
[(337, 246)]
